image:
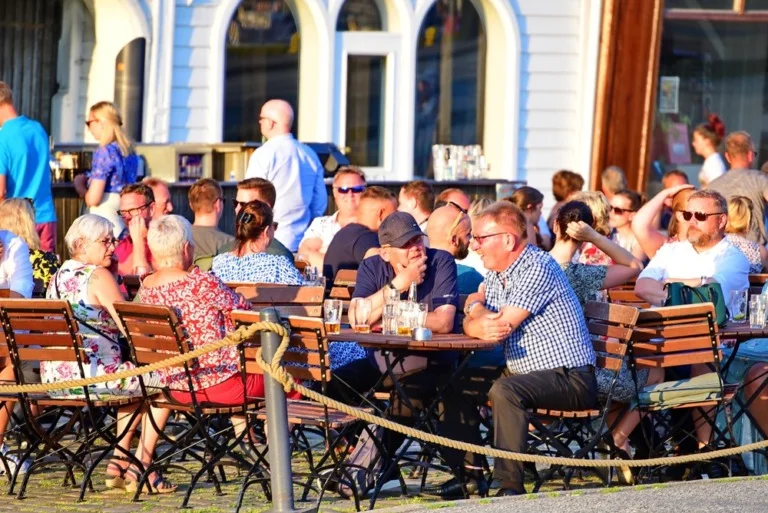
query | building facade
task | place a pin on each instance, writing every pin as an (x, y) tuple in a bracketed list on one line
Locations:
[(384, 79)]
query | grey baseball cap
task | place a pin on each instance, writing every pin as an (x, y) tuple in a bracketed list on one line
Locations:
[(397, 229)]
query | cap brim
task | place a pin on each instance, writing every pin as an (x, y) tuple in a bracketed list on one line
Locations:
[(404, 238)]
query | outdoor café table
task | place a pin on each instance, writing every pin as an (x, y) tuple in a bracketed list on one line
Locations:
[(394, 348)]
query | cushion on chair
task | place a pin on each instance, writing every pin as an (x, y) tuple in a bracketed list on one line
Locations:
[(671, 393)]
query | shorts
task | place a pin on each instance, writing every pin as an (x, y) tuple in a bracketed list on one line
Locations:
[(229, 392), (47, 233)]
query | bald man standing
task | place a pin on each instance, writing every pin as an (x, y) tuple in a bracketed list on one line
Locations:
[(448, 228), (294, 170)]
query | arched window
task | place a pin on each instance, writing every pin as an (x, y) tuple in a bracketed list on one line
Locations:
[(359, 15), (450, 80), (262, 62)]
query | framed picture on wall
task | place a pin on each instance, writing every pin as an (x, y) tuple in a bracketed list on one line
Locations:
[(669, 92)]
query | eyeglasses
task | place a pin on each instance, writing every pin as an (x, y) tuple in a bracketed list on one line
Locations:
[(481, 238), (700, 216), (456, 221), (357, 189), (621, 211), (133, 211), (88, 122), (31, 201), (109, 241), (238, 204), (462, 210)]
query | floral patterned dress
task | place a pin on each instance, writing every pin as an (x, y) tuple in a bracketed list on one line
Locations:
[(592, 255), (71, 283), (203, 305)]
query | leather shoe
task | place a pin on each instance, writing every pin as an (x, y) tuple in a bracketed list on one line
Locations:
[(507, 492), (454, 489)]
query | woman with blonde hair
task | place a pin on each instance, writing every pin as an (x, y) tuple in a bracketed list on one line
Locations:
[(114, 165), (600, 208), (17, 215), (739, 217)]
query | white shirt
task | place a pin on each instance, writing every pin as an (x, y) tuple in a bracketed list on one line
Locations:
[(15, 267), (713, 167), (323, 228), (723, 263), (295, 171)]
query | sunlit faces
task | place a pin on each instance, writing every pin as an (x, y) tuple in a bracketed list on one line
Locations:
[(347, 189), (493, 242), (163, 204), (412, 250), (706, 221), (100, 251), (135, 205), (621, 213)]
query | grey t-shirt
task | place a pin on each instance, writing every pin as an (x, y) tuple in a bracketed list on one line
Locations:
[(209, 241), (752, 184)]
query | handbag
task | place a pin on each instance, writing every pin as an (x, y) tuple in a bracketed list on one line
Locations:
[(681, 294)]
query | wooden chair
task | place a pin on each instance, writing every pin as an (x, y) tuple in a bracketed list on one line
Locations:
[(155, 333), (308, 361), (756, 283), (681, 336), (46, 331), (625, 296), (611, 327), (288, 299), (344, 284)]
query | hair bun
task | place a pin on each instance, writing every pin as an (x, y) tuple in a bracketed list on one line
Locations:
[(716, 125)]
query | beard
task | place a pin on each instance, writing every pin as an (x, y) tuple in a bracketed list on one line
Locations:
[(462, 250), (698, 238)]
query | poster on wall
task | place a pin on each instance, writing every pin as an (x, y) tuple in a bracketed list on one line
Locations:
[(678, 145), (669, 90)]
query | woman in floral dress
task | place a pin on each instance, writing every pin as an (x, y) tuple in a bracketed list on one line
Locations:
[(86, 282)]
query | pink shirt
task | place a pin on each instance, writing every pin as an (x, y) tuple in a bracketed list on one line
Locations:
[(123, 252)]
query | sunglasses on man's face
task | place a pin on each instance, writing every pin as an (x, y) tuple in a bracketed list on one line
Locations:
[(357, 189), (700, 216)]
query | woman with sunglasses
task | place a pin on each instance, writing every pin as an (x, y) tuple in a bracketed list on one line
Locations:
[(114, 165), (645, 224), (17, 215), (249, 261), (624, 205)]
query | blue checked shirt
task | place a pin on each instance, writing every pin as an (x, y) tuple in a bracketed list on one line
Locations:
[(555, 334)]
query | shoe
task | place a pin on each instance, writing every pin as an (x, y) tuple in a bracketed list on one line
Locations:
[(455, 489), (624, 473), (159, 485), (508, 492), (13, 461)]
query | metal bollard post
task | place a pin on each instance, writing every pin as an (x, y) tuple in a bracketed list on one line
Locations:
[(277, 417)]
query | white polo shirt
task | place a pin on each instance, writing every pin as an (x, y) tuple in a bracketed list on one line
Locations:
[(723, 263)]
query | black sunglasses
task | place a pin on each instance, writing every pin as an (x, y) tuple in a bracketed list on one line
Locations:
[(700, 216), (357, 189), (621, 211)]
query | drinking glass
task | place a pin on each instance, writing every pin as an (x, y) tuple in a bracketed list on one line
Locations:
[(419, 315), (738, 305), (332, 316), (757, 312), (389, 319), (391, 296), (362, 309), (404, 315)]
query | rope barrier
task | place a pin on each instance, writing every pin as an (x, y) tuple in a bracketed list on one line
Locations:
[(278, 372)]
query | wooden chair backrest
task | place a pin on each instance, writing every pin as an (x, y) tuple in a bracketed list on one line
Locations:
[(611, 327), (308, 357), (41, 330), (676, 335), (301, 265), (344, 284), (288, 299), (626, 296), (154, 332), (758, 280)]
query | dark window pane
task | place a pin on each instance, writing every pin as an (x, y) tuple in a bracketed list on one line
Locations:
[(365, 109), (757, 5), (450, 80), (262, 62), (699, 4), (709, 67), (359, 15)]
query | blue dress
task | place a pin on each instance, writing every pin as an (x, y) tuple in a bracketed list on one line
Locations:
[(110, 165)]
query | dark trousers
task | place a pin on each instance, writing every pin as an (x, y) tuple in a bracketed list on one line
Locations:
[(460, 418), (511, 397)]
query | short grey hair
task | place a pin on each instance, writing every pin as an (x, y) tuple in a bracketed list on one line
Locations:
[(86, 228), (716, 197), (166, 238)]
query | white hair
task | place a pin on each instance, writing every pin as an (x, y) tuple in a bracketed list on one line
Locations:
[(166, 238), (86, 228)]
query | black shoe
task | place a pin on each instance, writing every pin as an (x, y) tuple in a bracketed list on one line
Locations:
[(454, 489), (507, 492)]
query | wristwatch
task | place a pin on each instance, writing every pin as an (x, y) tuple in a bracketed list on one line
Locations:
[(469, 306)]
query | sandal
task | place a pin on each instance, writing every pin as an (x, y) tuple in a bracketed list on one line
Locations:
[(159, 485), (115, 481)]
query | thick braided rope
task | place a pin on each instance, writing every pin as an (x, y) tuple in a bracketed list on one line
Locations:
[(232, 339), (278, 372)]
